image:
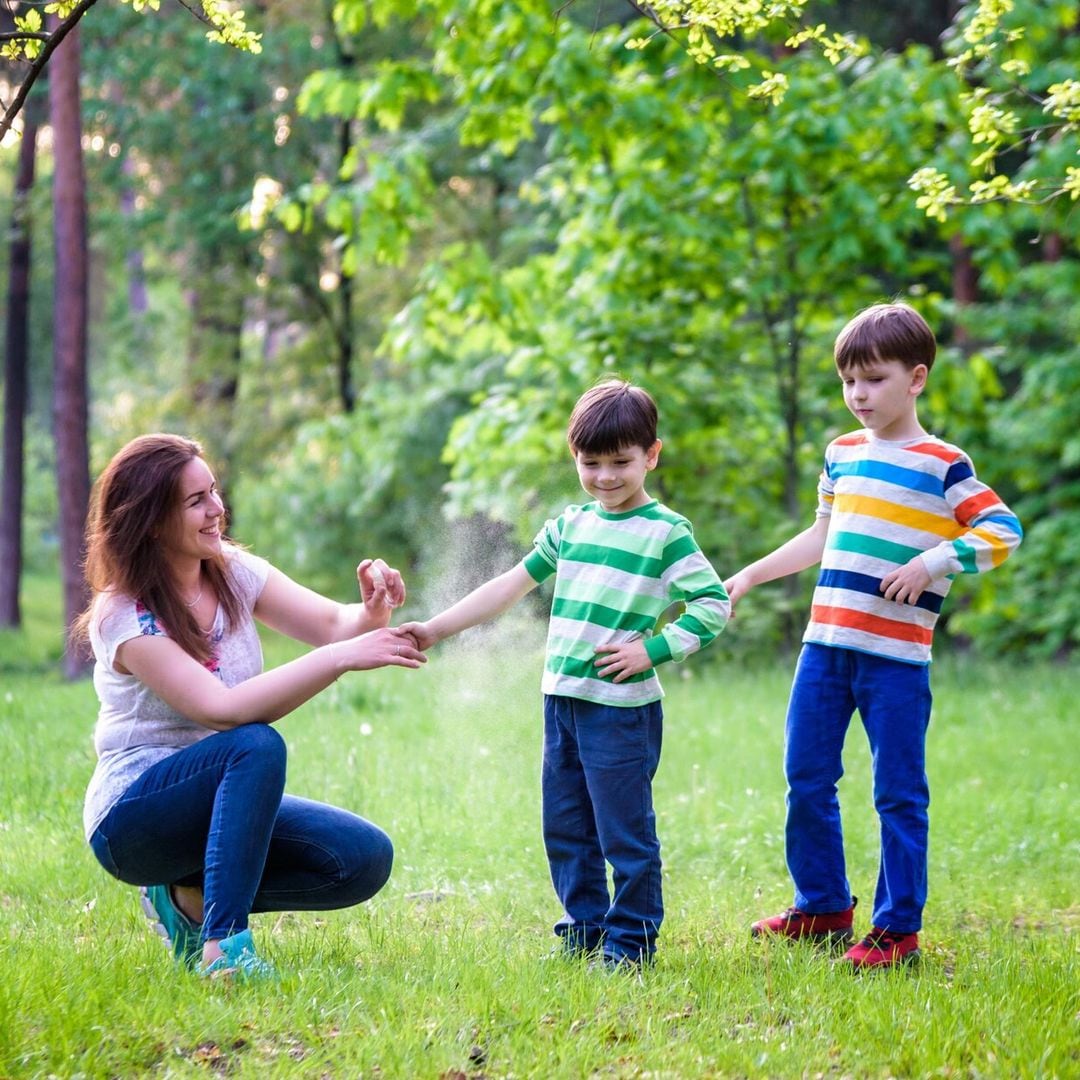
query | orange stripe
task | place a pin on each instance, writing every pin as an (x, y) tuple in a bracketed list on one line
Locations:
[(970, 507), (856, 438), (945, 453), (871, 624)]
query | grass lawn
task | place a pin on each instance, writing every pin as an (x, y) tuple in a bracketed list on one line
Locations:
[(444, 974)]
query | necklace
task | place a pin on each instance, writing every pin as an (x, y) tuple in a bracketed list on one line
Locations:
[(192, 603)]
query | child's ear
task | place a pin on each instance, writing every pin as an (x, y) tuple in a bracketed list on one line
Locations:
[(919, 374), (652, 455)]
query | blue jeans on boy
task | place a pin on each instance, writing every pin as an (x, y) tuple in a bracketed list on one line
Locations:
[(599, 762), (214, 815), (893, 699)]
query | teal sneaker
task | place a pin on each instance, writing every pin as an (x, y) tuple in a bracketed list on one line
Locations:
[(238, 960), (180, 933)]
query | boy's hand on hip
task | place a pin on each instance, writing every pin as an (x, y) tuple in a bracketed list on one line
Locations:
[(906, 583), (622, 661)]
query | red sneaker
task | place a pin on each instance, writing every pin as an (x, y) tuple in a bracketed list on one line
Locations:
[(827, 927), (883, 949)]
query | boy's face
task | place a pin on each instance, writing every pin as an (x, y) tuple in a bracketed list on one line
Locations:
[(617, 481), (882, 395)]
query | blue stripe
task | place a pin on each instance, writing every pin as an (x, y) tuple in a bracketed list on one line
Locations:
[(958, 472), (1010, 522), (911, 479), (864, 583)]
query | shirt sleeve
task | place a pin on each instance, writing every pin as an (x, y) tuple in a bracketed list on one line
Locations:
[(689, 578), (543, 560), (248, 573), (825, 491), (991, 532), (118, 619)]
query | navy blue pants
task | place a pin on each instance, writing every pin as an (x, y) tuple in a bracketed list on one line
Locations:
[(214, 815), (893, 700), (599, 762)]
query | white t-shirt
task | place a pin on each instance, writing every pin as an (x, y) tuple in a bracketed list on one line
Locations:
[(135, 728)]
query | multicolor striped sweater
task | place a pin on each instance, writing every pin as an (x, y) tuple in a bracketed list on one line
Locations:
[(615, 575), (886, 503)]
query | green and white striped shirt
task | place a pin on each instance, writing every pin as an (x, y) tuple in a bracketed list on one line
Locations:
[(615, 575)]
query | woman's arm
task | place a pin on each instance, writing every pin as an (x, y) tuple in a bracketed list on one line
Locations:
[(188, 688), (291, 609)]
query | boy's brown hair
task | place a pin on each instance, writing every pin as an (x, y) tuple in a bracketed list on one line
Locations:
[(610, 417), (886, 332)]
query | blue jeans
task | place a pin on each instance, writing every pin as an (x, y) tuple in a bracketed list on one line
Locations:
[(893, 699), (214, 815), (599, 762)]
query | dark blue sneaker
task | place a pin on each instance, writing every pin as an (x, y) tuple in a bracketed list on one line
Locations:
[(612, 963), (179, 932)]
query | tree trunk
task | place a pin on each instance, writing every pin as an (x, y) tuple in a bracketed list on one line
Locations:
[(346, 386), (16, 365), (69, 335), (138, 300), (965, 287), (1053, 247)]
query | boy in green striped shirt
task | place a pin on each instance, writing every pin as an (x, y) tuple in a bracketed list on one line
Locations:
[(619, 562)]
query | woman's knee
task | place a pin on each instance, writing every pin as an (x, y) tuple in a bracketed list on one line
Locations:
[(373, 861), (261, 741)]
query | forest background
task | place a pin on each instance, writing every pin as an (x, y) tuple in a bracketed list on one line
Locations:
[(372, 266)]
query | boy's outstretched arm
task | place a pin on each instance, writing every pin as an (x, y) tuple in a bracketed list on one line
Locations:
[(482, 604), (803, 550)]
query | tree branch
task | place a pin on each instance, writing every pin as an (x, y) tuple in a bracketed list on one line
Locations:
[(55, 38)]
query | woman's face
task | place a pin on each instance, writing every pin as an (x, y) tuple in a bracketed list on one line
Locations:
[(195, 529)]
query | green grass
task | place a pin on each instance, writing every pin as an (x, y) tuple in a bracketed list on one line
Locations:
[(443, 975)]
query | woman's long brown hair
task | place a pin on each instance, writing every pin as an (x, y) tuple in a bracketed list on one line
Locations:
[(134, 502)]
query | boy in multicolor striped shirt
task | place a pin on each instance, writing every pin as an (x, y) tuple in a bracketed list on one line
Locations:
[(900, 513), (619, 563)]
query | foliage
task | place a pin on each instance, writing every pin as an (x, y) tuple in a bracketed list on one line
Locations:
[(1000, 60), (167, 217), (31, 34), (496, 203), (677, 239), (1033, 453), (33, 39), (1014, 64)]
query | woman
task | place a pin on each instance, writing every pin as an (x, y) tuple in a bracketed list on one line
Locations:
[(187, 799)]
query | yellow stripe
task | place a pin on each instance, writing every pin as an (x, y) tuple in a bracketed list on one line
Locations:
[(897, 514), (999, 550)]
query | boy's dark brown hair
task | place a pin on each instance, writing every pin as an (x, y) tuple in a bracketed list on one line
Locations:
[(886, 332), (610, 417)]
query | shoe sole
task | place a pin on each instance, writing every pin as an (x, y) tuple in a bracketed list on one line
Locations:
[(151, 914), (911, 959), (158, 928), (829, 939)]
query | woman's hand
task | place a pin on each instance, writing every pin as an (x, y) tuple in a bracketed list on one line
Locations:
[(420, 633), (386, 647), (381, 589)]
